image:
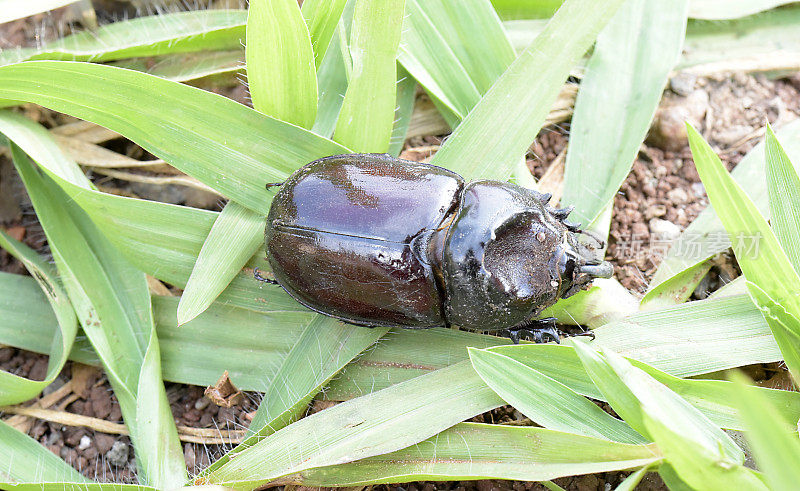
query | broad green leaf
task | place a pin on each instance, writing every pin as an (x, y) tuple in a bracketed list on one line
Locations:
[(546, 401), (758, 252), (605, 301), (375, 424), (774, 439), (281, 73), (618, 96), (470, 451), (730, 9), (367, 114), (225, 145), (783, 186), (13, 388), (23, 459), (517, 110), (322, 17), (680, 289), (154, 35), (706, 236), (112, 303)]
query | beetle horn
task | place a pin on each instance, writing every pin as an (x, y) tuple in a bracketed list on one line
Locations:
[(562, 213), (545, 198)]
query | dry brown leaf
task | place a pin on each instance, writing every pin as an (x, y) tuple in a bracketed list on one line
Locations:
[(224, 393)]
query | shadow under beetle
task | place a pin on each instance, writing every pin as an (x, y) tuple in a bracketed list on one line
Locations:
[(378, 241)]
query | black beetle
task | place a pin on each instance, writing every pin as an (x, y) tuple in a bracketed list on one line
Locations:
[(378, 241)]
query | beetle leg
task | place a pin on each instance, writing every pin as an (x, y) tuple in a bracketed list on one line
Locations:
[(537, 330), (274, 184), (257, 275)]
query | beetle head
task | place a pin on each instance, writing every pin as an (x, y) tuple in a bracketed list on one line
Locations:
[(577, 263)]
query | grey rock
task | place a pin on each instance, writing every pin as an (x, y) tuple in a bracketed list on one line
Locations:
[(118, 455), (683, 83)]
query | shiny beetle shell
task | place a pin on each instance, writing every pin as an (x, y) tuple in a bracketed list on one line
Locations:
[(378, 241)]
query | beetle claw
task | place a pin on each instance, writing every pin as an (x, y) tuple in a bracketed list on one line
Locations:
[(257, 275), (572, 226), (562, 213)]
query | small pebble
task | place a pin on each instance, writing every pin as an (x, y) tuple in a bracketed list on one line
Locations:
[(664, 229), (85, 443), (118, 455)]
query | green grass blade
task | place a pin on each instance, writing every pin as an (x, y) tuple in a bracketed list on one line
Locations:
[(113, 305), (15, 389), (322, 17), (455, 52), (701, 453), (332, 81), (280, 62), (773, 282), (406, 95), (711, 397), (515, 110), (236, 235), (706, 235), (375, 424), (730, 9), (325, 346), (728, 332), (479, 451), (546, 401), (185, 67), (173, 121), (633, 480), (783, 186), (367, 114), (178, 32), (618, 96), (23, 459), (774, 439)]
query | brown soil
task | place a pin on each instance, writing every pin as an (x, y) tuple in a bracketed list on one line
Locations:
[(663, 185)]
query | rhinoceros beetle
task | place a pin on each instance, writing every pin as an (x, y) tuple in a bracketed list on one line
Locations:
[(378, 241)]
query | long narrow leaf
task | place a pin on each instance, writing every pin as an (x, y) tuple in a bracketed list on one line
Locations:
[(15, 389), (23, 459), (517, 111), (280, 62), (774, 439), (377, 423), (618, 96), (706, 236), (367, 114), (322, 17), (546, 401), (113, 306), (178, 32), (478, 451), (203, 134), (773, 282), (783, 186)]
